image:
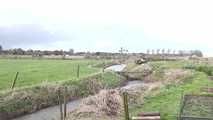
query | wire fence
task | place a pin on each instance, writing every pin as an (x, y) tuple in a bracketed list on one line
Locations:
[(196, 107)]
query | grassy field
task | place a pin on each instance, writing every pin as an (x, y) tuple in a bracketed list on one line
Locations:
[(33, 72), (167, 101)]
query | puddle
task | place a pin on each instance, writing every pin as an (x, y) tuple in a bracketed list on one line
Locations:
[(116, 68)]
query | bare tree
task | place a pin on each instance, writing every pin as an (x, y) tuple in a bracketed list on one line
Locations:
[(18, 51), (163, 51), (1, 48), (29, 52), (174, 52), (181, 52), (168, 51), (153, 51), (197, 53), (71, 51), (158, 51), (148, 51)]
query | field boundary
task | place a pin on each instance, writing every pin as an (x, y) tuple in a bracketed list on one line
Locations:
[(190, 98)]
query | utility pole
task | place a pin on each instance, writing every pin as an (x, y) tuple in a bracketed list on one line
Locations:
[(122, 51)]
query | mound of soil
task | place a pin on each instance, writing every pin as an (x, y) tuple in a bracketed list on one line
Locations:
[(139, 71)]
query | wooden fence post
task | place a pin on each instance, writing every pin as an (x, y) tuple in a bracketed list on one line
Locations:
[(181, 105), (126, 109), (65, 102), (78, 70), (60, 104), (103, 67), (14, 81)]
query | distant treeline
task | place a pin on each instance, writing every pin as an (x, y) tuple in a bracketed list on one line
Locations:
[(19, 51), (169, 52), (149, 53)]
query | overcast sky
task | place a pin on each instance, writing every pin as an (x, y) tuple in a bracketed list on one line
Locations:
[(107, 25)]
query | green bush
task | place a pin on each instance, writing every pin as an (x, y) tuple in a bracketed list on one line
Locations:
[(189, 66), (201, 68), (206, 69)]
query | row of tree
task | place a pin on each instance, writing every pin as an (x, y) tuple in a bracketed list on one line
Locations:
[(174, 52), (19, 51), (1, 48), (168, 52)]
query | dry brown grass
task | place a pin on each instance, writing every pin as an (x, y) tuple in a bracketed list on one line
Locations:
[(176, 75), (168, 76), (106, 105), (138, 71)]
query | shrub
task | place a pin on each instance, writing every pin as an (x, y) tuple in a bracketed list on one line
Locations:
[(189, 66), (206, 69), (201, 68)]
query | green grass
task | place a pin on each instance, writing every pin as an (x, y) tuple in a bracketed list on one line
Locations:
[(30, 99), (160, 65), (198, 106), (33, 72), (206, 68), (169, 64), (167, 102)]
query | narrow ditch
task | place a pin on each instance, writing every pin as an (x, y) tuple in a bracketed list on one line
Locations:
[(52, 113)]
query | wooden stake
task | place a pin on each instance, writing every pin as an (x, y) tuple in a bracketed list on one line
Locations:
[(78, 70), (65, 102), (60, 104), (14, 81), (126, 109), (181, 106)]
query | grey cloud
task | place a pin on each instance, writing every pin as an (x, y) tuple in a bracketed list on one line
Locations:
[(27, 35)]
